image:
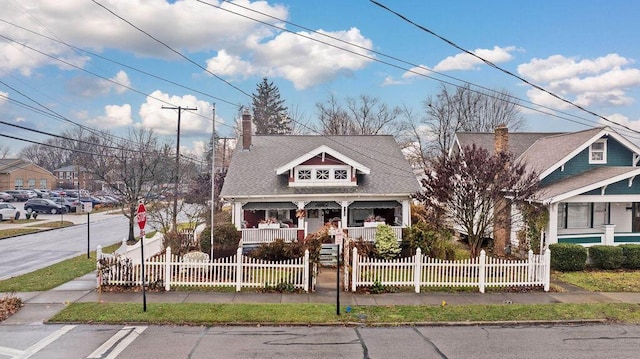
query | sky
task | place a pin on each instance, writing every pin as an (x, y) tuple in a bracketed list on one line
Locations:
[(113, 65)]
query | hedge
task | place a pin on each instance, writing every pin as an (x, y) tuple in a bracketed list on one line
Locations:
[(606, 257), (568, 257)]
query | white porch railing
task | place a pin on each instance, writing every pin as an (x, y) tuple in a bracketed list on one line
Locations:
[(235, 271), (255, 235), (421, 270), (369, 233)]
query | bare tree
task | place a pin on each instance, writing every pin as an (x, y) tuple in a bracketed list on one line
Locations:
[(466, 187), (414, 139), (132, 168), (468, 110), (4, 151), (364, 115)]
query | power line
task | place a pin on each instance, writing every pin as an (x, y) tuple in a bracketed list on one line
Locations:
[(491, 64)]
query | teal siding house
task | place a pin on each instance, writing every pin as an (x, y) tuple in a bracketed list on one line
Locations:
[(587, 181)]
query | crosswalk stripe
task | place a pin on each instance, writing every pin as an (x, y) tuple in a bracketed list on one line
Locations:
[(121, 340), (44, 342)]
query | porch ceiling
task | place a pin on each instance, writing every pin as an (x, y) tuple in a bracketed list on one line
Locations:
[(375, 204), (322, 205), (268, 205)]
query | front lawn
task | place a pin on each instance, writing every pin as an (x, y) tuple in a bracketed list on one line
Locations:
[(601, 280)]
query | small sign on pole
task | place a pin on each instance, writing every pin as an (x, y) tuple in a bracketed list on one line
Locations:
[(141, 218)]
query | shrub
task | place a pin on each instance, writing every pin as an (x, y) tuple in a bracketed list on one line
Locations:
[(387, 245), (606, 257), (568, 257), (433, 243), (631, 253), (226, 238)]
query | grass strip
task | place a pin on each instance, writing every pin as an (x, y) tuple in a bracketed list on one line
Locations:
[(53, 275), (301, 314), (53, 224), (602, 281), (11, 232)]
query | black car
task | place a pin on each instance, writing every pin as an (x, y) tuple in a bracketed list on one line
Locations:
[(42, 205), (18, 195)]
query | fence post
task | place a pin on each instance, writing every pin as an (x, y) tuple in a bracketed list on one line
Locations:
[(482, 269), (98, 257), (167, 270), (239, 269), (354, 269), (417, 269), (305, 276), (547, 269), (532, 268)]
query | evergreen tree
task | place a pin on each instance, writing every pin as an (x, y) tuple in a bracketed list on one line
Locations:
[(269, 112)]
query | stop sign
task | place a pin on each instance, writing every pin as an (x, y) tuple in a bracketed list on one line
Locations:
[(141, 216)]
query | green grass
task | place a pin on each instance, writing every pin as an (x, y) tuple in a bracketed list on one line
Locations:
[(275, 314), (602, 281), (11, 232), (53, 275)]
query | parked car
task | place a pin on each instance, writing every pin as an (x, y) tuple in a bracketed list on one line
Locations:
[(18, 195), (69, 203), (42, 205), (8, 211), (6, 197), (41, 193), (31, 193)]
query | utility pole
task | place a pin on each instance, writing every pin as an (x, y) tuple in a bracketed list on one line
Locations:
[(177, 178), (213, 174)]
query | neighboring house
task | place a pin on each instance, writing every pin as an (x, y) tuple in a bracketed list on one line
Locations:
[(587, 181), (20, 174), (75, 177), (303, 182)]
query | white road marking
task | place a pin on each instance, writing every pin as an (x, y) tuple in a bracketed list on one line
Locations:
[(121, 340), (23, 354)]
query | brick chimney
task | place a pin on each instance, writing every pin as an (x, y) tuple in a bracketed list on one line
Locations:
[(501, 205), (501, 139), (246, 130)]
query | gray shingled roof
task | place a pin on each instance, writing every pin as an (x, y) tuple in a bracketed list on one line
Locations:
[(582, 180), (547, 151), (253, 172), (519, 142)]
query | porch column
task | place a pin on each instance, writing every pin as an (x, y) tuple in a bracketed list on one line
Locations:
[(609, 234), (552, 231), (301, 220), (236, 215), (406, 213), (344, 205)]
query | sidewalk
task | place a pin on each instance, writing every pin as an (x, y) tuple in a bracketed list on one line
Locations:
[(41, 306)]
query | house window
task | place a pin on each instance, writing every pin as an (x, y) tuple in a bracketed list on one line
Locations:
[(304, 174), (322, 174), (340, 174), (575, 215), (43, 183), (598, 152), (19, 184), (31, 183), (279, 214)]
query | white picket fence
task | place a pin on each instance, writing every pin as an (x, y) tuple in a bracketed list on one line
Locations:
[(483, 271), (237, 271)]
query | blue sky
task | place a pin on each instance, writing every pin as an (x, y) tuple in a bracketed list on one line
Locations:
[(583, 51)]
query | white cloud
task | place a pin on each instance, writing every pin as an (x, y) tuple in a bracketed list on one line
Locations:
[(90, 87), (4, 97), (296, 58), (598, 82), (622, 120), (115, 116), (464, 61), (165, 121)]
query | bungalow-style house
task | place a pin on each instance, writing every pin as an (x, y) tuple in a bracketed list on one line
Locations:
[(587, 181), (285, 186), (16, 173)]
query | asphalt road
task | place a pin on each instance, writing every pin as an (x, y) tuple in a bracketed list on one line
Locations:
[(478, 342), (29, 252)]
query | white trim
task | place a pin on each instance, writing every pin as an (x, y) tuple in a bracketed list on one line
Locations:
[(562, 197), (620, 198), (322, 150)]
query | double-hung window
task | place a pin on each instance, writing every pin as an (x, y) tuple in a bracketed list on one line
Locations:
[(598, 152)]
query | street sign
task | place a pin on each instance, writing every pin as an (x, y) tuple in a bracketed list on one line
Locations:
[(141, 216)]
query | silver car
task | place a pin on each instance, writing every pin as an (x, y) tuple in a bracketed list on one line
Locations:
[(8, 211)]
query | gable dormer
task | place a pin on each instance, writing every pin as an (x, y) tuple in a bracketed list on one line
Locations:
[(323, 167)]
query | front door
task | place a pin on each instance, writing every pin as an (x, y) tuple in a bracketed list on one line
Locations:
[(636, 217)]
